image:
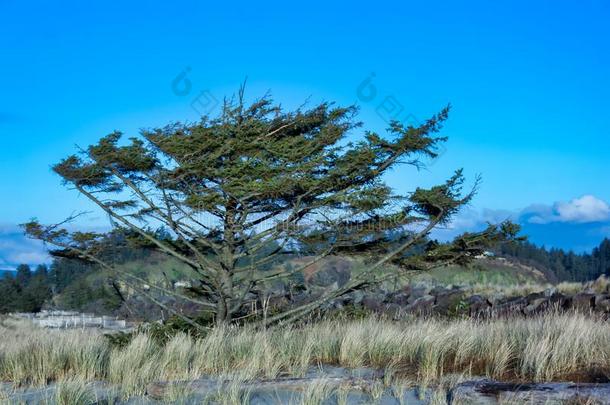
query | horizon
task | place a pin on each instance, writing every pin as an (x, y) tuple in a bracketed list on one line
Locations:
[(528, 85)]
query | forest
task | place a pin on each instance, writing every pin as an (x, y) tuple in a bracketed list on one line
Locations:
[(563, 265)]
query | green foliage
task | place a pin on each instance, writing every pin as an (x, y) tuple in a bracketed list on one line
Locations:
[(161, 332), (27, 291), (562, 265), (458, 308), (81, 295), (119, 340)]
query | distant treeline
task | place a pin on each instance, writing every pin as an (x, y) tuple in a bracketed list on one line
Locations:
[(65, 283), (565, 266), (26, 290)]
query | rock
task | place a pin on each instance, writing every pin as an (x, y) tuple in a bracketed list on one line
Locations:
[(599, 298), (558, 302), (337, 305), (399, 298), (509, 307), (331, 270), (354, 297), (583, 302), (393, 311), (478, 306), (549, 292), (472, 393), (438, 290), (534, 296), (372, 303), (603, 306), (475, 299), (422, 305), (417, 292), (487, 392), (278, 302), (537, 306), (450, 302)]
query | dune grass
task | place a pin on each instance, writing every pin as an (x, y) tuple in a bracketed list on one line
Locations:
[(73, 391), (551, 347)]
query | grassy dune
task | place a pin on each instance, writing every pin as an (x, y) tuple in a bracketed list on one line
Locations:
[(552, 347)]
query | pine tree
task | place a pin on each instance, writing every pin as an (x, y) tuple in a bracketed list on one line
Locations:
[(24, 273), (255, 182)]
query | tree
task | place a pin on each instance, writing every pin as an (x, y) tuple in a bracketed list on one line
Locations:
[(24, 273), (559, 265), (255, 177), (10, 300), (38, 290), (26, 291)]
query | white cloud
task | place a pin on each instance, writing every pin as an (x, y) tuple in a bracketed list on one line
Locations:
[(586, 217), (470, 220), (585, 209), (30, 257), (15, 248)]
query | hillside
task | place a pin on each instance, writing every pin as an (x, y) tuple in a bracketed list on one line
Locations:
[(102, 292), (498, 271), (83, 287)]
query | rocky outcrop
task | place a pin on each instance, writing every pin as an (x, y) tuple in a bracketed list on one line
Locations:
[(421, 300)]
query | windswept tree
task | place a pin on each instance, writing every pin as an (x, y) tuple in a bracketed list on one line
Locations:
[(255, 182)]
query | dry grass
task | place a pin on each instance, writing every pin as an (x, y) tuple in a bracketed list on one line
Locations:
[(316, 392), (521, 290), (495, 290), (73, 391), (29, 355), (539, 349), (600, 285)]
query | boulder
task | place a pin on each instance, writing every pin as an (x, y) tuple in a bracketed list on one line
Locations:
[(603, 306), (549, 292), (478, 306), (450, 302), (401, 298), (510, 306), (559, 301), (332, 270), (583, 302), (537, 306), (438, 290), (599, 298), (418, 292), (393, 311), (354, 297), (372, 303), (407, 289), (534, 296), (422, 305)]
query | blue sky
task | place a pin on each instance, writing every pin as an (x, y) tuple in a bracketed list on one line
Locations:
[(528, 82)]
